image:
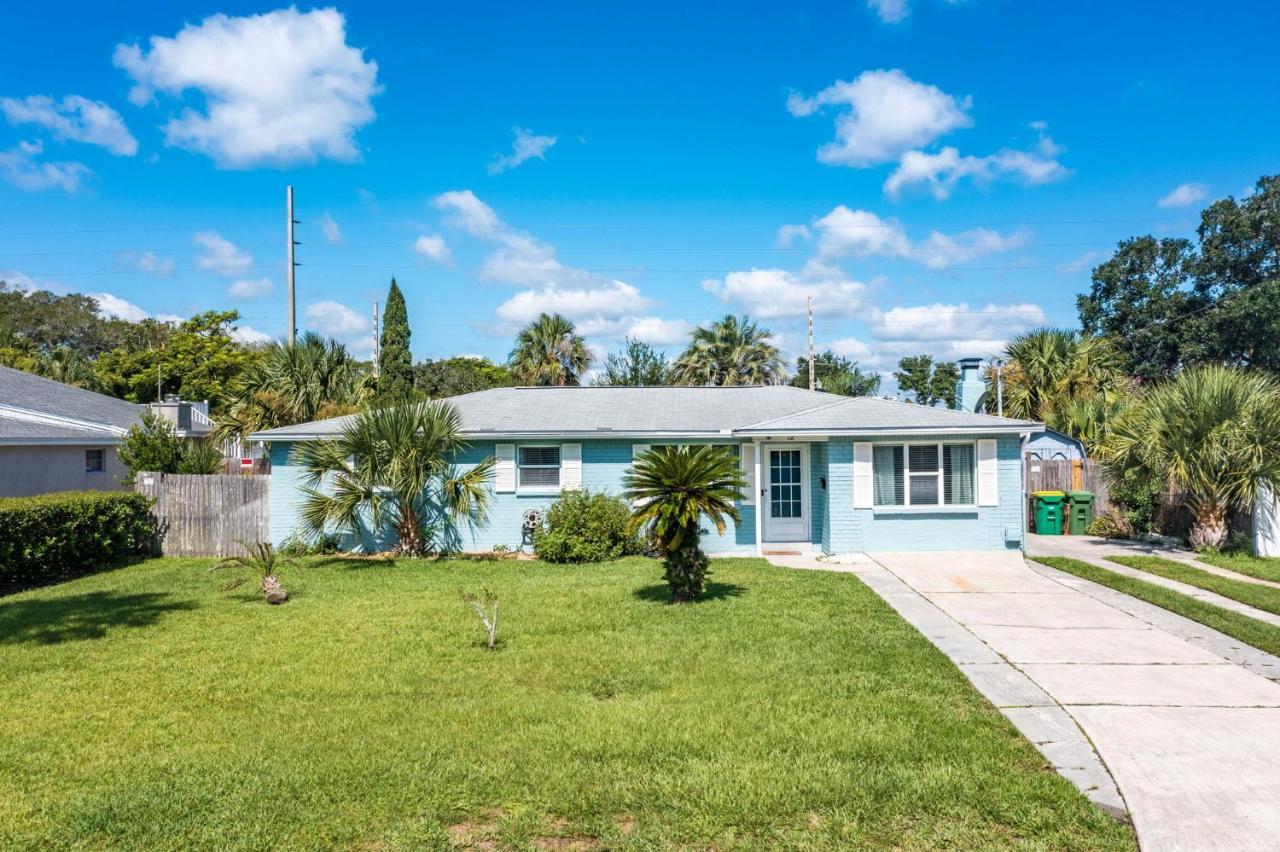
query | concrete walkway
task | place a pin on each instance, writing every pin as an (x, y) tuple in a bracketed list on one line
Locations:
[(1145, 711), (1096, 551)]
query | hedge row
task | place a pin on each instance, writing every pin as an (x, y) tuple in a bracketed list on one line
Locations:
[(54, 537)]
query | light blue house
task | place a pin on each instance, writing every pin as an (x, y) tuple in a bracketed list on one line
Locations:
[(824, 473)]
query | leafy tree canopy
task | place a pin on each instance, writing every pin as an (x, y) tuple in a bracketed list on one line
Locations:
[(637, 365), (1169, 303), (549, 351), (456, 376), (732, 351), (927, 382), (835, 375)]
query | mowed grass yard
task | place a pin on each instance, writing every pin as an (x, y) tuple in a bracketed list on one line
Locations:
[(144, 708)]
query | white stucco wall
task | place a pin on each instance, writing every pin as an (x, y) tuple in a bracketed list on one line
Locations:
[(27, 470)]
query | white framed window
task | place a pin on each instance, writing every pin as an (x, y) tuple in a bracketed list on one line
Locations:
[(924, 474), (94, 461), (538, 468)]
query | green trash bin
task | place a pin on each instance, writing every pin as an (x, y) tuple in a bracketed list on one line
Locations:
[(1049, 512), (1080, 510)]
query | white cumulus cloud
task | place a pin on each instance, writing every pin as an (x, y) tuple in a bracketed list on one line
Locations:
[(21, 166), (330, 230), (114, 307), (73, 118), (773, 293), (939, 172), (1184, 195), (881, 115), (860, 233), (336, 319), (433, 248), (250, 335), (527, 146), (250, 288), (220, 255), (278, 88), (150, 263), (889, 11)]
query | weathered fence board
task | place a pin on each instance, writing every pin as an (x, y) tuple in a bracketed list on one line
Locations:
[(1057, 475), (208, 515)]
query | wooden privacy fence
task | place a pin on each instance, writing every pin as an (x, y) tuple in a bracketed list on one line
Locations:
[(208, 515), (1068, 475)]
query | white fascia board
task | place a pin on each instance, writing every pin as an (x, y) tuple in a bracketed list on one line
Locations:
[(873, 433), (87, 441)]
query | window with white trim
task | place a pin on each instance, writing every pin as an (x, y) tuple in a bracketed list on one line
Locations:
[(94, 461), (538, 468), (933, 474)]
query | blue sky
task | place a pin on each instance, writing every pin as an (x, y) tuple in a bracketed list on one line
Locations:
[(937, 175)]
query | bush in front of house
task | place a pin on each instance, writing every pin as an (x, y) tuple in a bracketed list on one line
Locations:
[(1111, 524), (55, 537), (586, 526)]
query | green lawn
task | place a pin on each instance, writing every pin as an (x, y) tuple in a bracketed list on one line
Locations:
[(143, 708), (1258, 596), (1242, 563), (1259, 634)]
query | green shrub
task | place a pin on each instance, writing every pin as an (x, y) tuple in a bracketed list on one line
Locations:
[(325, 544), (586, 526), (1112, 524), (55, 537)]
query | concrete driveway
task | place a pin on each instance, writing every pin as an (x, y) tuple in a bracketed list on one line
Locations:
[(1184, 718)]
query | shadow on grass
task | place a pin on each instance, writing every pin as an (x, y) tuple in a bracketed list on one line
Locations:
[(80, 617), (660, 593)]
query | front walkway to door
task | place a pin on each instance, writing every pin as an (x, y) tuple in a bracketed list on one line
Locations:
[(1182, 717)]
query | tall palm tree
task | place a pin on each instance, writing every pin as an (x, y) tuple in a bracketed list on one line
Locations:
[(393, 468), (673, 489), (549, 351), (1212, 434), (732, 351), (312, 380), (1047, 367)]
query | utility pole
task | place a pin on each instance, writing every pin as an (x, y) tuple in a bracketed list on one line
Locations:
[(812, 383), (377, 342), (290, 265), (999, 389)]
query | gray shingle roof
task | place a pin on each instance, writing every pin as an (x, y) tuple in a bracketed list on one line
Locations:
[(687, 411), (870, 414), (31, 432), (44, 396)]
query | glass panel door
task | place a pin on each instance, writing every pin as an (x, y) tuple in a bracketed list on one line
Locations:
[(786, 517)]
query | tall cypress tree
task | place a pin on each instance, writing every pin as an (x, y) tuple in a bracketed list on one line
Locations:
[(395, 364)]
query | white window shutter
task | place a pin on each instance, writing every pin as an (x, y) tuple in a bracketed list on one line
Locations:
[(504, 468), (570, 467), (988, 474), (863, 477), (747, 459)]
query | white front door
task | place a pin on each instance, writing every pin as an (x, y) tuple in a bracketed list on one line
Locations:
[(786, 492)]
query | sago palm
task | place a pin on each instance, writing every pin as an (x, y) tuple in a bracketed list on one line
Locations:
[(549, 351), (312, 380), (673, 489), (730, 352), (261, 562), (1212, 435), (394, 468)]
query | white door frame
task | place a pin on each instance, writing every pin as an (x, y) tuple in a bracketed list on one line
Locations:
[(801, 530)]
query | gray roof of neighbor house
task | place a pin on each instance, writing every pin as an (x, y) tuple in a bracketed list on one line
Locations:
[(603, 412), (36, 410)]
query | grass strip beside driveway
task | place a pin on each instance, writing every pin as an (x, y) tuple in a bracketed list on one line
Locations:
[(1259, 634), (1259, 567), (1264, 598)]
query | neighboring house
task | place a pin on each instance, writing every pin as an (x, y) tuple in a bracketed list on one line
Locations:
[(835, 474), (1045, 444), (55, 437), (1052, 445)]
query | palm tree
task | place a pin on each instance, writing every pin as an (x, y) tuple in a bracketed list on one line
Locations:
[(549, 351), (733, 351), (673, 489), (394, 467), (312, 380), (261, 562), (1212, 434), (1047, 367)]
